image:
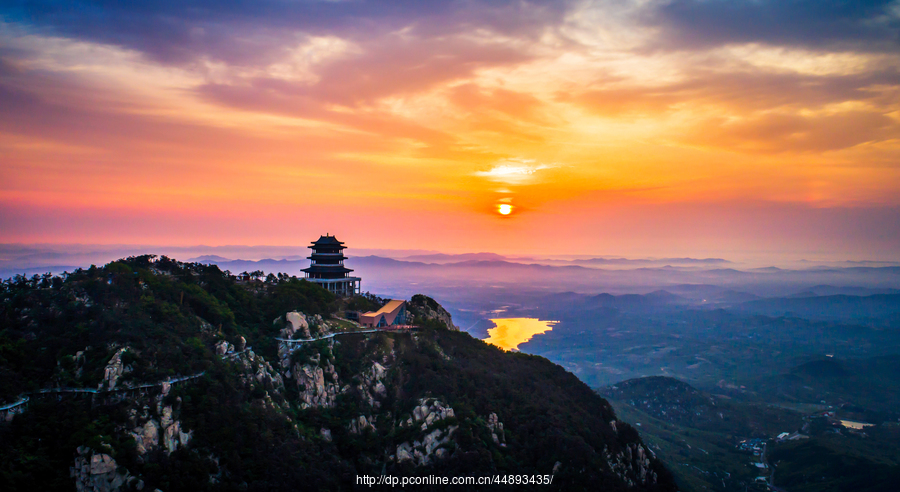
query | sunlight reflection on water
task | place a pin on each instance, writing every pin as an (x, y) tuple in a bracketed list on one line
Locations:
[(510, 332)]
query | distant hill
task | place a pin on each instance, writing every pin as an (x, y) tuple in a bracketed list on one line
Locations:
[(652, 301), (711, 293), (872, 308), (830, 290), (869, 383), (653, 261), (824, 369), (677, 402), (209, 259), (447, 258), (832, 464), (30, 271)]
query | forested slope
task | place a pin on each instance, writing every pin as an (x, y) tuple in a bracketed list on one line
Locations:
[(153, 373)]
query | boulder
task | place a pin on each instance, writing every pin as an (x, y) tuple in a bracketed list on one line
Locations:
[(498, 435), (325, 433), (295, 322), (102, 463), (428, 413), (223, 348), (361, 423), (114, 369), (404, 452), (97, 472), (318, 386), (146, 437), (427, 450), (172, 439)]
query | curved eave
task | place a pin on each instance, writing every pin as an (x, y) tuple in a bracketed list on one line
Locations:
[(327, 269)]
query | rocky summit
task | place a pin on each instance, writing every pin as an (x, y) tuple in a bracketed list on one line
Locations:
[(152, 374)]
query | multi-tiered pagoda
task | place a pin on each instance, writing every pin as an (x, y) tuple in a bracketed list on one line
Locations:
[(327, 267)]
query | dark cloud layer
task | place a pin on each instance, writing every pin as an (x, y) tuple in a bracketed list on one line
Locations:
[(807, 23), (250, 32), (253, 32)]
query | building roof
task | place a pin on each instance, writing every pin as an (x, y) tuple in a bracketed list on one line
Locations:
[(327, 269), (327, 240), (326, 256), (389, 310)]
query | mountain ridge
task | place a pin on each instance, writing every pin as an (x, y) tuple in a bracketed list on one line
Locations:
[(267, 415)]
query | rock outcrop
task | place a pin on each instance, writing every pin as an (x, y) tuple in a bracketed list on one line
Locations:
[(361, 423), (224, 348), (205, 327), (167, 431), (174, 437), (258, 370), (326, 434), (371, 386), (428, 412), (98, 472), (317, 383), (295, 322), (496, 427), (113, 371), (435, 445), (424, 308), (79, 362), (632, 464), (146, 437)]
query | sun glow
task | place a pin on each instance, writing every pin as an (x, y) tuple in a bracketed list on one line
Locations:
[(504, 209)]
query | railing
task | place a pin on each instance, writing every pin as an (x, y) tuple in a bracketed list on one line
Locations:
[(94, 391), (11, 406), (392, 329)]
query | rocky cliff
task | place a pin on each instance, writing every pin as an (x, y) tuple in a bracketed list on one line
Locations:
[(424, 309)]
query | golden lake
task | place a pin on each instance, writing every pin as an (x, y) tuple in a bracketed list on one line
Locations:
[(510, 332)]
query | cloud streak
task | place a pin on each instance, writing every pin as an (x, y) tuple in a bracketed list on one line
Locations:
[(514, 171)]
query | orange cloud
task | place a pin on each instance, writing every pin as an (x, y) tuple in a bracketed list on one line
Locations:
[(561, 111)]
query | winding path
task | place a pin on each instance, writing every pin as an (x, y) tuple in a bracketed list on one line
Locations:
[(332, 335), (93, 391), (13, 405)]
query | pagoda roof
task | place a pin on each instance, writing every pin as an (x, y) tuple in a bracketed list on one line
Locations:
[(327, 240), (327, 269), (332, 256)]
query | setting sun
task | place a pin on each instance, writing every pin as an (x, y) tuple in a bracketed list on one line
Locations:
[(504, 209)]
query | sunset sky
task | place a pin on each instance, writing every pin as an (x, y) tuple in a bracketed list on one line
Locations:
[(610, 127)]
